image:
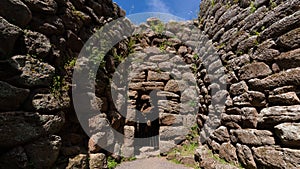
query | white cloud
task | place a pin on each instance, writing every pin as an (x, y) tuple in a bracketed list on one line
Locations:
[(158, 6)]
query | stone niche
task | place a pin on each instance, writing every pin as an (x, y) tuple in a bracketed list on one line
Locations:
[(160, 106)]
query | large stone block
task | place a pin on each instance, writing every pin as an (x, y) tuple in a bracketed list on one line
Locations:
[(288, 134), (285, 78), (252, 137), (34, 72), (275, 157), (16, 12), (8, 36), (22, 127), (271, 116), (44, 152), (254, 70), (11, 98)]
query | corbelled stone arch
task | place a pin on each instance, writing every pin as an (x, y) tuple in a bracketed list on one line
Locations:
[(195, 103)]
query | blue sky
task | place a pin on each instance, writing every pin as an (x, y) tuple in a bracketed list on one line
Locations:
[(187, 9)]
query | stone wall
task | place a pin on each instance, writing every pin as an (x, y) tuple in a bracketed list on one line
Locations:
[(258, 43), (39, 40), (256, 106)]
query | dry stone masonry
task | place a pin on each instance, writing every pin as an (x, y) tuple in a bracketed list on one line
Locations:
[(38, 40), (244, 56), (259, 46)]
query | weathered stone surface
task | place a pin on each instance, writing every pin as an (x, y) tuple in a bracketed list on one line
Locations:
[(231, 121), (274, 157), (8, 36), (254, 70), (172, 86), (253, 137), (258, 3), (166, 146), (169, 106), (97, 161), (289, 98), (22, 127), (237, 62), (251, 20), (249, 117), (206, 159), (221, 134), (34, 72), (257, 98), (238, 88), (42, 6), (167, 119), (147, 86), (14, 159), (247, 44), (167, 94), (228, 152), (127, 152), (36, 44), (155, 76), (282, 90), (280, 11), (159, 58), (282, 26), (44, 152), (46, 103), (74, 42), (245, 156), (288, 77), (289, 134), (250, 98), (98, 123), (52, 124), (289, 59), (11, 98), (48, 25), (103, 139), (79, 161), (16, 12), (290, 40), (269, 117), (265, 51), (70, 150), (129, 136), (173, 133)]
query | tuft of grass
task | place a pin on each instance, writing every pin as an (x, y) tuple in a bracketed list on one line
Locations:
[(58, 86), (111, 163), (272, 4), (213, 3), (131, 43), (222, 161), (158, 28), (252, 7), (195, 56)]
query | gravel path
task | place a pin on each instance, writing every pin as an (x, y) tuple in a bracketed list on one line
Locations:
[(151, 163)]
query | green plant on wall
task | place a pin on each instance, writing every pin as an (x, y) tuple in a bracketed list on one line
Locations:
[(58, 86), (213, 3), (188, 148), (272, 4), (252, 7), (111, 163), (158, 28), (131, 44), (163, 46)]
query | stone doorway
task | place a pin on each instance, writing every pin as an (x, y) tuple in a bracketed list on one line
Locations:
[(161, 108)]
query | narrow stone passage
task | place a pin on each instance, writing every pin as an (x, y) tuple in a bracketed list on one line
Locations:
[(151, 163)]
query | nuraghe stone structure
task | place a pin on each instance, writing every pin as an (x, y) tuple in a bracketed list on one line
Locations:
[(250, 47), (258, 43)]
